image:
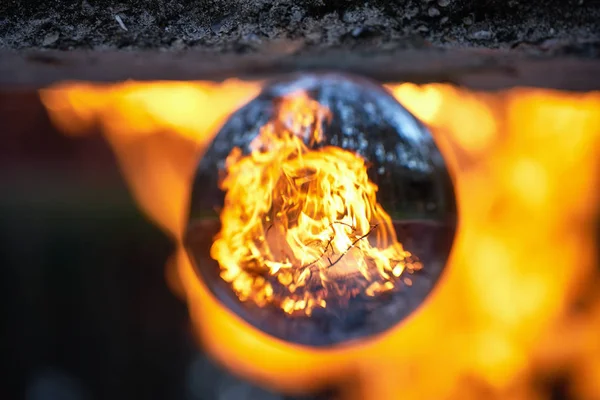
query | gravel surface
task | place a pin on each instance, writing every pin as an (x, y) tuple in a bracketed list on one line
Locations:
[(292, 26)]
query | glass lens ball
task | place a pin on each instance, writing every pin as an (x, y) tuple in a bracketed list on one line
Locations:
[(322, 211)]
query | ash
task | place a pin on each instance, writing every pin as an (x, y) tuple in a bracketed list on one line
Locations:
[(291, 26)]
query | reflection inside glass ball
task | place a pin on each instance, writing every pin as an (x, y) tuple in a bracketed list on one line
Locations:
[(322, 212)]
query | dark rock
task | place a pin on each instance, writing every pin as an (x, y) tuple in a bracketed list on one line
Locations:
[(433, 12), (481, 35), (218, 24)]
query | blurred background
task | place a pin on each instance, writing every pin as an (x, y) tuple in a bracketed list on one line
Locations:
[(85, 308)]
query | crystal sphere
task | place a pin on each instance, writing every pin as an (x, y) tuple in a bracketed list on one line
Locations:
[(322, 212)]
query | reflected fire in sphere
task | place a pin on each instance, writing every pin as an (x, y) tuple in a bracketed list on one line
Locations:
[(309, 218), (323, 192), (524, 165)]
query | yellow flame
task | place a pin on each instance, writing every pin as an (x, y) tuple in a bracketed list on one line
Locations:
[(300, 218), (524, 163), (157, 132)]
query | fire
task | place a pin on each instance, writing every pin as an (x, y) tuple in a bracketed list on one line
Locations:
[(524, 163), (143, 123), (301, 225)]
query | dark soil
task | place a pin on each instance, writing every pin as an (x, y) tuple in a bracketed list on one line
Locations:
[(291, 26)]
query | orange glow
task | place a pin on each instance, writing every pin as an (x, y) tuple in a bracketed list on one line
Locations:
[(299, 218), (524, 163), (143, 124)]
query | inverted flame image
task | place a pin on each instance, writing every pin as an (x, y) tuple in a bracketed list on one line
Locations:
[(297, 218), (518, 303)]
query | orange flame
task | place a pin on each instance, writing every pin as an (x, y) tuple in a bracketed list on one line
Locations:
[(524, 164), (157, 132), (303, 217)]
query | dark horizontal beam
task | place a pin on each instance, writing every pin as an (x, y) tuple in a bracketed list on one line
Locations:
[(477, 69)]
